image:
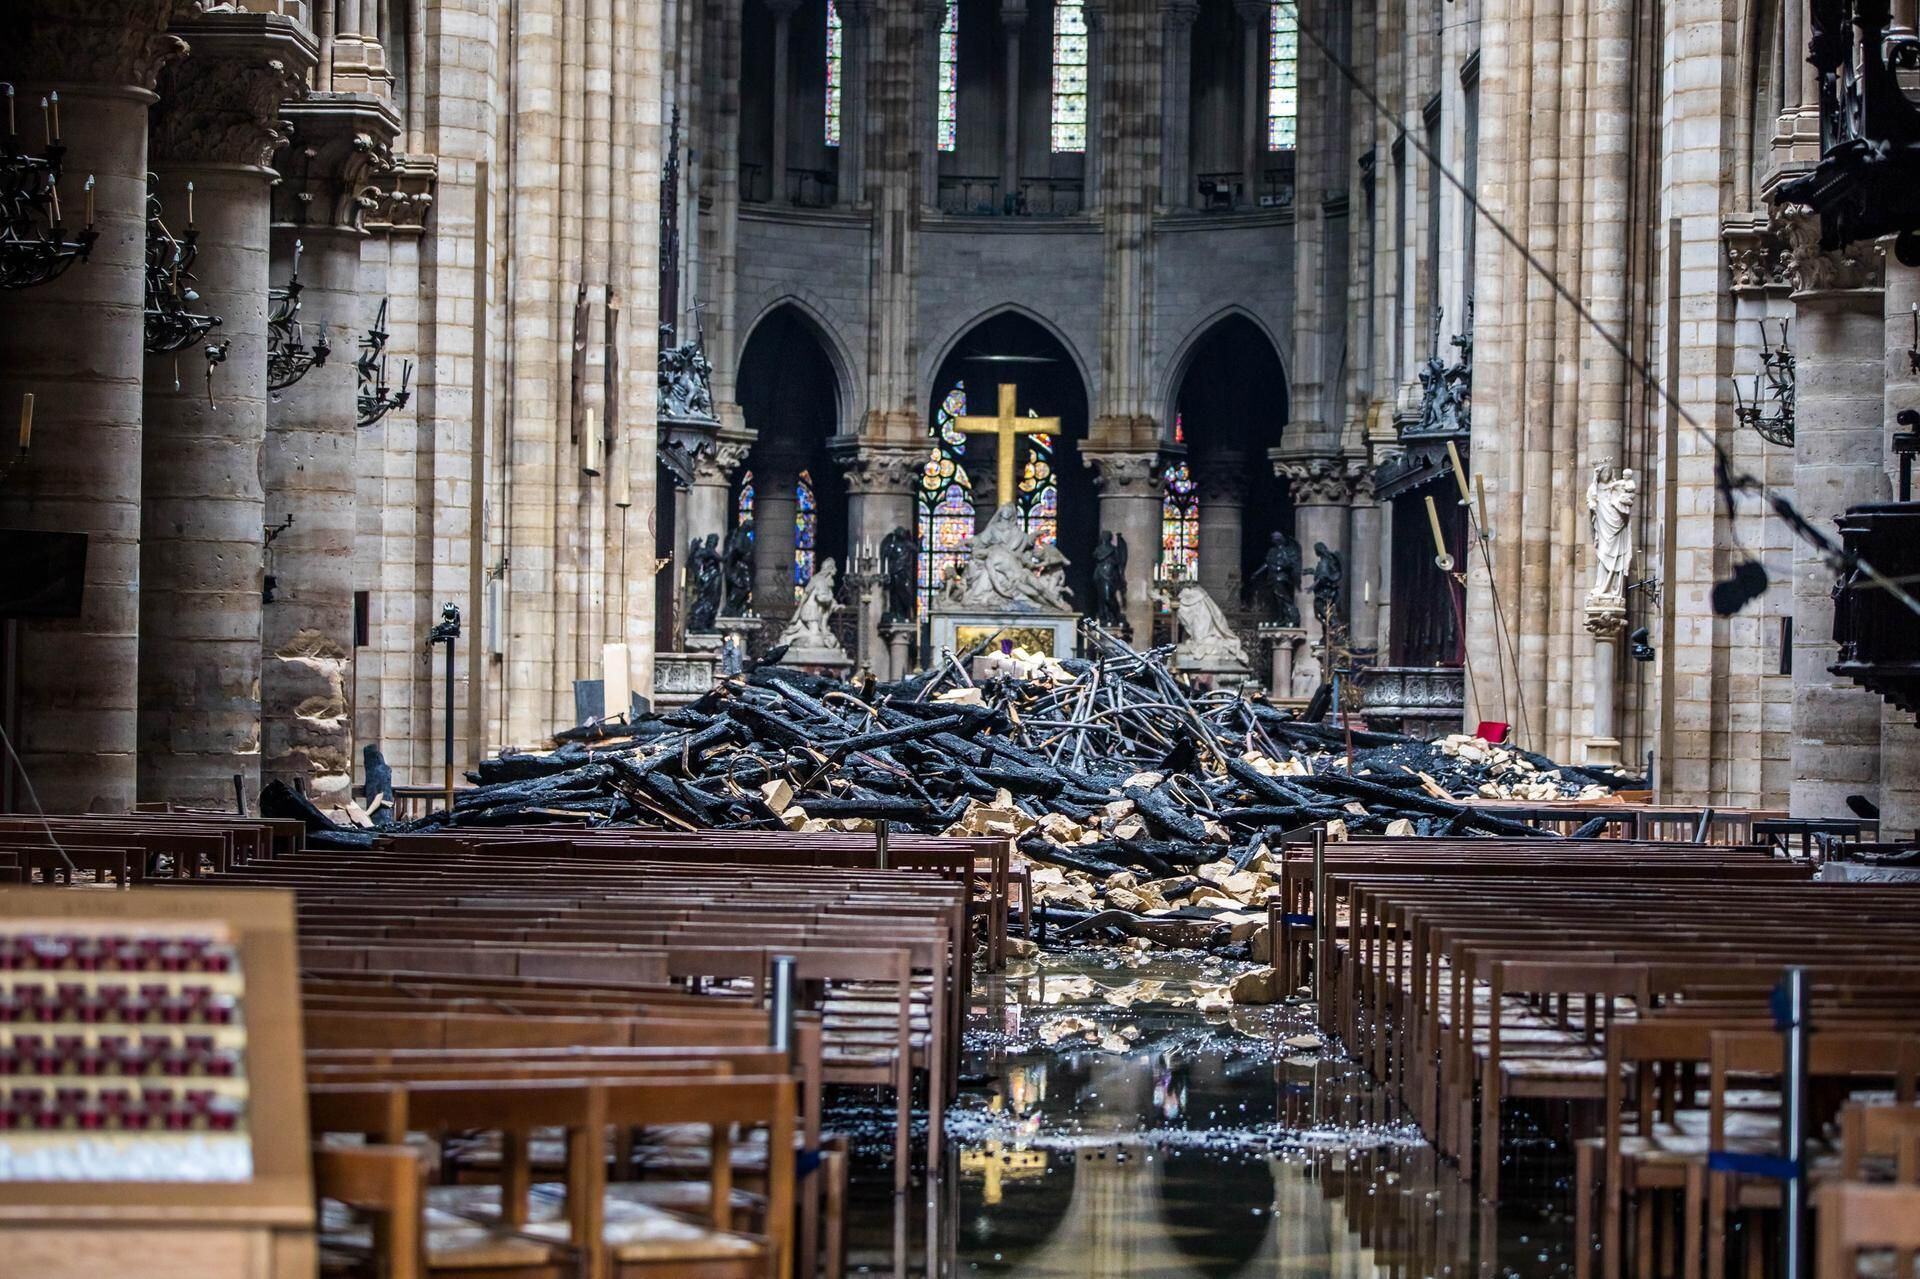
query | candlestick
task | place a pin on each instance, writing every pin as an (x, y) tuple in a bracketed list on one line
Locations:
[(11, 128), (89, 201), (54, 187), (54, 98), (189, 206), (26, 420), (46, 119), (298, 248), (1459, 472)]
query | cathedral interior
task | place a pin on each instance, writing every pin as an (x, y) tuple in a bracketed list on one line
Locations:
[(406, 385)]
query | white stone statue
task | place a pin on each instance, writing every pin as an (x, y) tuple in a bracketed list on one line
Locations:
[(1609, 512), (1006, 572), (809, 636), (1207, 642), (1306, 672)]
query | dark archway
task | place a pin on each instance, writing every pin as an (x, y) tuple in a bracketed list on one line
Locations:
[(1229, 410), (791, 398), (1010, 347)]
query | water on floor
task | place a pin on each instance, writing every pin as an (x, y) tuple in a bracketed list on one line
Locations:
[(1114, 1124)]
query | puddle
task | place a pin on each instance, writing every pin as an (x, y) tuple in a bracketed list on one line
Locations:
[(1110, 1127)]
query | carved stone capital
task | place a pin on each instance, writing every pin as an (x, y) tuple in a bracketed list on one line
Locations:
[(342, 149), (880, 469), (402, 195), (1818, 270), (1013, 16), (718, 463), (222, 104), (782, 8), (1126, 474), (1319, 481), (1606, 615), (1757, 257), (111, 43), (1222, 478), (1179, 15), (1255, 13)]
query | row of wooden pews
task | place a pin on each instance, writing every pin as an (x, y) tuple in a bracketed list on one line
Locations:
[(538, 1056), (1630, 984)]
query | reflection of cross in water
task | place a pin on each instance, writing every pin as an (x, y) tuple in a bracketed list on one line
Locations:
[(1007, 428)]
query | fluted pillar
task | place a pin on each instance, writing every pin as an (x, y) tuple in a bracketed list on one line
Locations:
[(1176, 80), (1222, 480), (1013, 21), (1364, 571), (1130, 487), (217, 126), (782, 12), (1322, 488), (1255, 15), (306, 675), (1839, 339), (75, 344)]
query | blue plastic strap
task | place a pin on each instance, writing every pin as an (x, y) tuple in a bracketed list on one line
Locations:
[(805, 1162), (1747, 1164), (1297, 921)]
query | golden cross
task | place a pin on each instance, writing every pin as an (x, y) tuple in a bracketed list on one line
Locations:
[(1008, 428)]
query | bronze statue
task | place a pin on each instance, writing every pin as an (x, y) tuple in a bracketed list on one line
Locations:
[(739, 570), (899, 572), (703, 583), (1329, 575), (1110, 579), (1281, 572)]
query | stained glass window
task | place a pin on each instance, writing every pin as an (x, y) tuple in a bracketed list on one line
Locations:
[(835, 36), (1040, 489), (949, 99), (1283, 74), (805, 524), (1069, 76), (1179, 526), (946, 500), (1179, 427), (804, 520)]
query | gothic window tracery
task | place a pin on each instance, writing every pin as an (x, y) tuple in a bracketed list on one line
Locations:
[(949, 97), (1069, 76), (1179, 525), (805, 524), (1283, 74)]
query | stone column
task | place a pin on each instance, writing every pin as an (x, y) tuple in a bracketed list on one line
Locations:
[(1130, 491), (1321, 491), (881, 480), (775, 504), (217, 126), (1899, 734), (983, 480), (1013, 21), (1095, 12), (1176, 79), (306, 678), (782, 11), (1255, 15), (855, 21), (1840, 336), (1364, 573), (1222, 480), (359, 62), (75, 344), (706, 507)]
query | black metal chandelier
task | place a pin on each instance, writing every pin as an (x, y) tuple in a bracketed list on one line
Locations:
[(1768, 412), (289, 358), (34, 241), (172, 324), (377, 399)]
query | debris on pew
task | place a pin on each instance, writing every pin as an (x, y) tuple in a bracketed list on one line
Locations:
[(1146, 809)]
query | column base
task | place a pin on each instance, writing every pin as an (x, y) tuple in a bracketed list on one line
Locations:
[(1602, 752)]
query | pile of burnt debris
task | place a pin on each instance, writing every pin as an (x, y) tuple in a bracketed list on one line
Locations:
[(1130, 790)]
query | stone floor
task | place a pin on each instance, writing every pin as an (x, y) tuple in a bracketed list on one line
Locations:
[(1110, 1128)]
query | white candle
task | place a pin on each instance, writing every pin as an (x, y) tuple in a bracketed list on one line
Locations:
[(26, 420), (189, 205), (11, 128), (55, 99), (89, 201)]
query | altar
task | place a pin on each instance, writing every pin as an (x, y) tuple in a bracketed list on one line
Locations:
[(1051, 634), (1010, 588)]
